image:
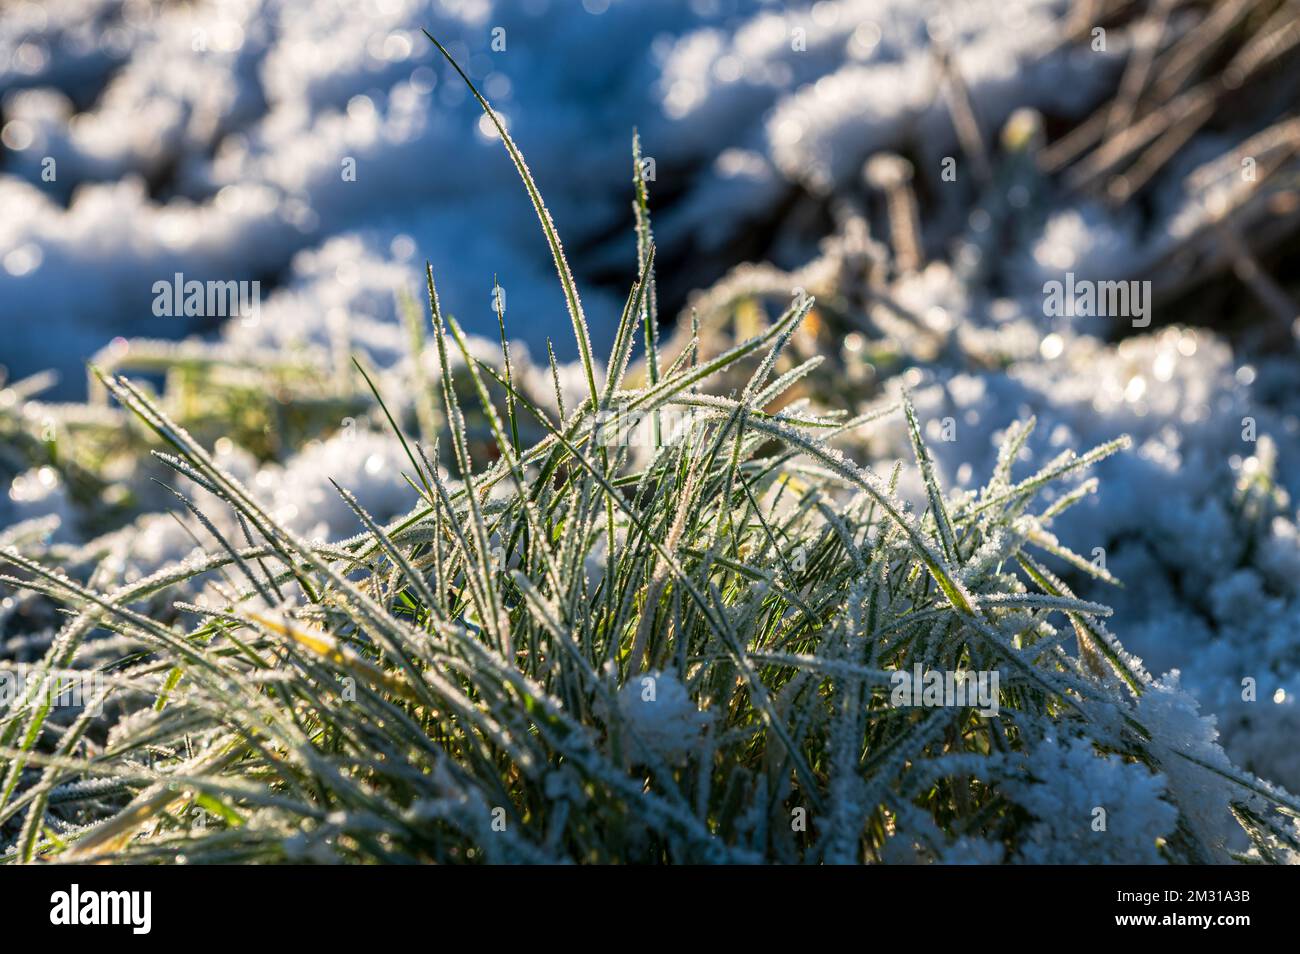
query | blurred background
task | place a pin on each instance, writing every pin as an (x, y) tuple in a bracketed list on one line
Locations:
[(325, 150)]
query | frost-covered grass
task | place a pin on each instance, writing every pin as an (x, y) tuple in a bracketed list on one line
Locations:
[(569, 645)]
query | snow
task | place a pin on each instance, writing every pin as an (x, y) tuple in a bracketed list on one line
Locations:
[(660, 713), (1180, 734), (1090, 809), (215, 140), (1207, 588)]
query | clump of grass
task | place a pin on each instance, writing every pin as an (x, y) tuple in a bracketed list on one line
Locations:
[(581, 653)]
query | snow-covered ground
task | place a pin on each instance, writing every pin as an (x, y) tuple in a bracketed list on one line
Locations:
[(292, 142)]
